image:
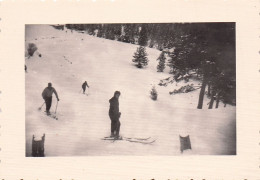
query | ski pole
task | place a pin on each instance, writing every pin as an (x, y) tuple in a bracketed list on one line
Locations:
[(41, 106), (80, 90), (56, 107)]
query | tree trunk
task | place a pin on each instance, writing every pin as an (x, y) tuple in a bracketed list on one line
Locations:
[(209, 93), (211, 102), (217, 101), (213, 93), (202, 92)]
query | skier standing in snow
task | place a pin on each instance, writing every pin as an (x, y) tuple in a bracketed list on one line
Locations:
[(84, 85), (114, 115), (47, 96)]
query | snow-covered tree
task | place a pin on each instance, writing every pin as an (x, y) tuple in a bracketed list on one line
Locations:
[(140, 57), (128, 33), (161, 64), (143, 38), (154, 94)]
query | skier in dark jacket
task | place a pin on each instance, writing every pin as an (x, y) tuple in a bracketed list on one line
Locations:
[(114, 115), (47, 96), (84, 85)]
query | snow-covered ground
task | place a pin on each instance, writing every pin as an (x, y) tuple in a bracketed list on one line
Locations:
[(70, 58)]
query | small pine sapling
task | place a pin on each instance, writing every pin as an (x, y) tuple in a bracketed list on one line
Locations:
[(154, 94), (140, 57), (161, 64)]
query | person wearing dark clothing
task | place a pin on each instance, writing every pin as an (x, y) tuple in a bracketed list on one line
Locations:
[(114, 115), (25, 68), (84, 85), (47, 96)]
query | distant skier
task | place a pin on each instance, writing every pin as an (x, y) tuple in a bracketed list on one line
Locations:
[(84, 85), (114, 115), (25, 68), (47, 96)]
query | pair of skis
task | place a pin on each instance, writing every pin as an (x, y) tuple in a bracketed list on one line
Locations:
[(130, 139), (54, 116)]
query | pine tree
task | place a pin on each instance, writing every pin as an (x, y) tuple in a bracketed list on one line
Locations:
[(117, 31), (161, 64), (153, 93), (140, 57), (143, 39), (100, 32), (127, 33)]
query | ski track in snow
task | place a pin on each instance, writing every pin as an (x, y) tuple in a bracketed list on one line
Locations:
[(68, 59)]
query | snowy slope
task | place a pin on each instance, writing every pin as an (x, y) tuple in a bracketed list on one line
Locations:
[(68, 59)]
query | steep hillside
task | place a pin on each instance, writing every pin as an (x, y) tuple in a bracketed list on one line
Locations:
[(70, 58)]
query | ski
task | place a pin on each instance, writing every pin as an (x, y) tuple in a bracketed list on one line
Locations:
[(142, 142), (130, 138), (134, 140), (140, 139), (112, 138)]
